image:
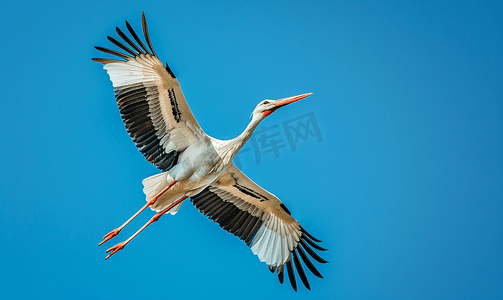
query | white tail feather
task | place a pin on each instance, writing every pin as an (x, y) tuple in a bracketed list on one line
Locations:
[(153, 185)]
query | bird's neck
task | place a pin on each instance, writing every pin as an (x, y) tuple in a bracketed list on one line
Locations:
[(232, 147), (247, 133)]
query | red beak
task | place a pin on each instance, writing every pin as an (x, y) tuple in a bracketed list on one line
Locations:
[(285, 101)]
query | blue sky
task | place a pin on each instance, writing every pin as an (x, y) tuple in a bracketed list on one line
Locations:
[(405, 187)]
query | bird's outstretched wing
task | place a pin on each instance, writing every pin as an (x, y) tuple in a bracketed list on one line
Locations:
[(150, 100), (262, 221)]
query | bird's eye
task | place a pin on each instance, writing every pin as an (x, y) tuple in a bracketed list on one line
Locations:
[(265, 102)]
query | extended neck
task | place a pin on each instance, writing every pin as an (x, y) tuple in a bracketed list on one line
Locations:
[(233, 146), (241, 139)]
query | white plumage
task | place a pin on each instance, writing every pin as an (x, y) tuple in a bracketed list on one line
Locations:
[(197, 166)]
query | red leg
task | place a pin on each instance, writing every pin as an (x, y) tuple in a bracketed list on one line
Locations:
[(116, 231), (155, 218)]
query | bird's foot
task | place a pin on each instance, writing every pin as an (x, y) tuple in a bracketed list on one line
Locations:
[(115, 249), (110, 236)]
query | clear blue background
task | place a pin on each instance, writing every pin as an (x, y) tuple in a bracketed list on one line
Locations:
[(406, 188)]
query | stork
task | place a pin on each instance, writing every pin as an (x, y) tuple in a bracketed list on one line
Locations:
[(197, 166)]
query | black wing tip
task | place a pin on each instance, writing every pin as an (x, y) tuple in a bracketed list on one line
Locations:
[(291, 274), (128, 25), (311, 252), (130, 51), (308, 262), (309, 235), (280, 274), (313, 244), (128, 40), (104, 60), (300, 270), (145, 32), (113, 52), (122, 46), (294, 260), (298, 266), (135, 37)]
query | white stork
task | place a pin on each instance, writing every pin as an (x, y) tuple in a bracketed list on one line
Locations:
[(197, 166)]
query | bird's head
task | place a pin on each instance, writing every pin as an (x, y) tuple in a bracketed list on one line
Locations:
[(267, 107)]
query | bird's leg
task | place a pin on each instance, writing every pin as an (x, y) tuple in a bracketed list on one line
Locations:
[(116, 231), (155, 218)]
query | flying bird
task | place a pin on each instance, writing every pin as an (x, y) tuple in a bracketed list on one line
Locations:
[(196, 166)]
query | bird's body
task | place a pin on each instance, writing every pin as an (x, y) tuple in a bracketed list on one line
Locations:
[(197, 166)]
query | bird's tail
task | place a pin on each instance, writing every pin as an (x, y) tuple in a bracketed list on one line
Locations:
[(153, 185)]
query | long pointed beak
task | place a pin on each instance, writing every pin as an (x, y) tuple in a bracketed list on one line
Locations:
[(285, 101)]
